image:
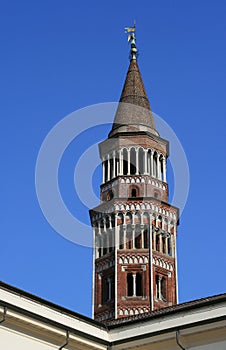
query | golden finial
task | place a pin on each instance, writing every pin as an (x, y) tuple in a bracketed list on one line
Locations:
[(132, 40)]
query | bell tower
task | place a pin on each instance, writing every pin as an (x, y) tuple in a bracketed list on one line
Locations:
[(134, 227)]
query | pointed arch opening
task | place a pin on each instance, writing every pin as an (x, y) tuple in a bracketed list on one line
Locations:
[(132, 161)]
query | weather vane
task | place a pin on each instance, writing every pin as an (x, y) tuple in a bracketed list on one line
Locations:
[(132, 40)]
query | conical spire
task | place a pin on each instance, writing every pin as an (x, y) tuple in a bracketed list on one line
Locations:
[(134, 111)]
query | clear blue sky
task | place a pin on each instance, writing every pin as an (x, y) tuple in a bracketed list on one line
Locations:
[(59, 56)]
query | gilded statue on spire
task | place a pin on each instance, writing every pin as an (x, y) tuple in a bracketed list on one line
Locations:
[(132, 40)]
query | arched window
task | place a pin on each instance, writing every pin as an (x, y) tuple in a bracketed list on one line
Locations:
[(98, 244), (133, 192), (159, 221), (138, 240), (149, 162), (137, 219), (132, 161), (129, 285), (111, 168), (129, 241), (163, 289), (106, 171), (110, 195), (141, 161), (169, 246), (139, 289), (116, 163), (161, 167), (110, 241), (146, 218), (146, 236), (121, 238), (154, 220), (125, 161), (104, 244), (105, 290), (157, 243), (120, 220), (164, 245), (155, 164), (128, 218)]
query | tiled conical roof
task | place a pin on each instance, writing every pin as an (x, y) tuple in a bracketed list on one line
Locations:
[(134, 111)]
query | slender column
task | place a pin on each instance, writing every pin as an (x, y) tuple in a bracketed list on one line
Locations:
[(107, 241), (133, 236), (103, 171), (113, 171), (158, 168), (128, 162), (152, 167), (137, 161), (160, 242), (154, 238), (159, 288), (142, 237), (124, 237), (97, 244), (120, 162), (108, 174), (116, 237), (99, 295), (101, 246), (134, 284), (164, 169), (145, 161), (166, 244)]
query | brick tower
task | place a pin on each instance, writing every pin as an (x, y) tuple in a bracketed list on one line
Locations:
[(134, 265)]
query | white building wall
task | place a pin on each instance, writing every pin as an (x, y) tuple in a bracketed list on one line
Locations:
[(11, 340)]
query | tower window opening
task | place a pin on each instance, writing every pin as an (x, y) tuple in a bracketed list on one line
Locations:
[(141, 161), (160, 283), (110, 240), (105, 290), (116, 164), (149, 163), (129, 284), (139, 289), (163, 288), (138, 239), (161, 168), (111, 169), (169, 246), (156, 195), (133, 161), (155, 164), (164, 245), (125, 162), (106, 171), (157, 243), (134, 193), (146, 234), (129, 241), (104, 244), (99, 243), (121, 238)]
